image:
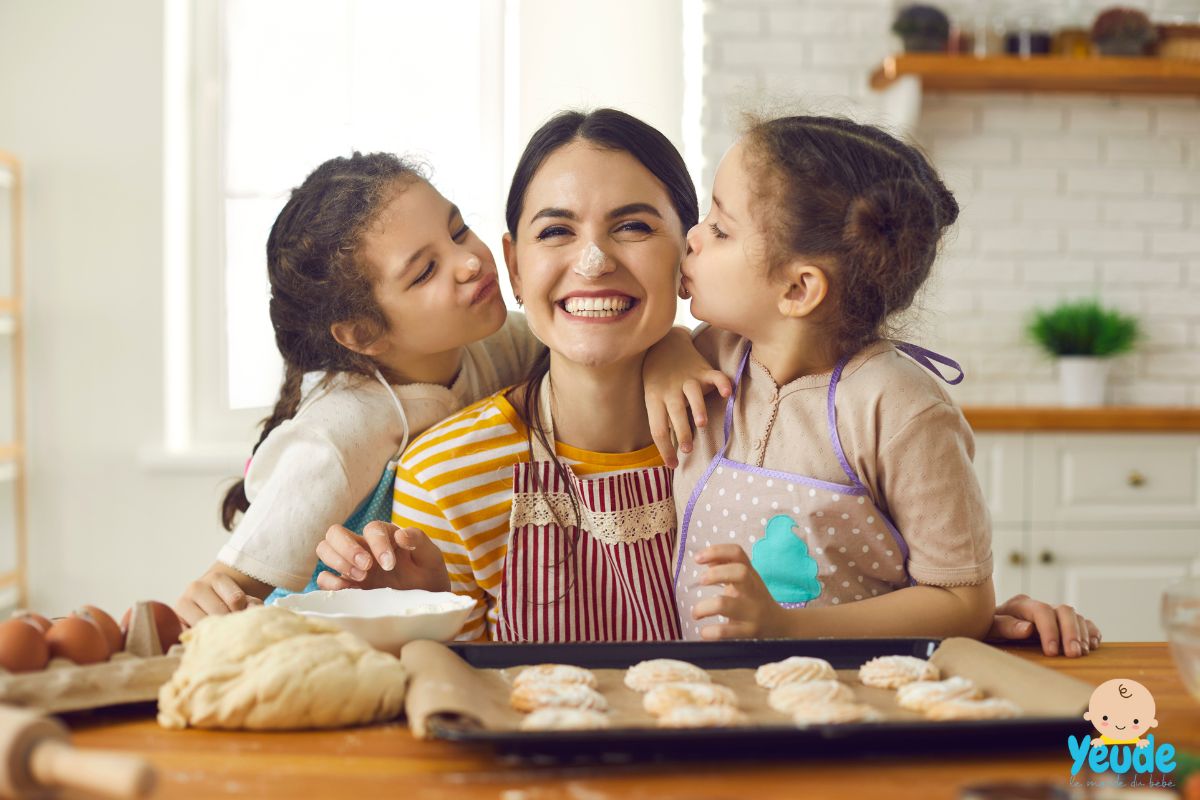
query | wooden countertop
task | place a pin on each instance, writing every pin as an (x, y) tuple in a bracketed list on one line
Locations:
[(1108, 419), (385, 760)]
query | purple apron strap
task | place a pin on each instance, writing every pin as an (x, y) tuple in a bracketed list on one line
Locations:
[(737, 379), (926, 358), (831, 411)]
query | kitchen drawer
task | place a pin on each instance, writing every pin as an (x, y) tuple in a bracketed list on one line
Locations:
[(1010, 560), (1115, 480), (1116, 578), (999, 467)]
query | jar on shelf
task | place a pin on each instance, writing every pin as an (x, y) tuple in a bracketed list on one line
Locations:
[(1073, 34), (1028, 32), (987, 23)]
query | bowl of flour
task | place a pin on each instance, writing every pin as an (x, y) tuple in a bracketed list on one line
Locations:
[(386, 618)]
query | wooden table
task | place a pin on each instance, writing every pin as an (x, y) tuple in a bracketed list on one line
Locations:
[(386, 761)]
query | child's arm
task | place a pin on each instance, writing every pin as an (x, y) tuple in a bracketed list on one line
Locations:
[(1020, 617), (220, 590), (921, 610), (676, 377)]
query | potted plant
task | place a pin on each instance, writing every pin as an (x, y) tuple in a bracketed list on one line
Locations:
[(922, 28), (1123, 32), (1084, 337)]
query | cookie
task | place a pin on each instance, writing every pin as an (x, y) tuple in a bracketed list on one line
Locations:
[(644, 676), (789, 697), (892, 672), (921, 695), (796, 669), (532, 696), (991, 708), (666, 696), (564, 719), (556, 673), (834, 714), (720, 716)]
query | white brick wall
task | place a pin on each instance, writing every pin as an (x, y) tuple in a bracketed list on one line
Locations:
[(1062, 196)]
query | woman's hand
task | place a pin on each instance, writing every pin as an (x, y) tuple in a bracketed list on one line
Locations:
[(1021, 617), (676, 378), (393, 558), (746, 602), (221, 590)]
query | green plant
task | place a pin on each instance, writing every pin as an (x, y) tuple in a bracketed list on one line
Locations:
[(1083, 328)]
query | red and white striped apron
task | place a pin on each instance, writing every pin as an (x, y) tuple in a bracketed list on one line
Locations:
[(609, 578)]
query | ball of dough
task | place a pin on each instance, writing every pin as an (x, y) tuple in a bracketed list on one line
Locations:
[(267, 668), (645, 675), (794, 670), (892, 672)]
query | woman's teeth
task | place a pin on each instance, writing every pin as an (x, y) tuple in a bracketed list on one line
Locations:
[(597, 306)]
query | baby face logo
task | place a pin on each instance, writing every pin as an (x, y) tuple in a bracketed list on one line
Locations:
[(1122, 711)]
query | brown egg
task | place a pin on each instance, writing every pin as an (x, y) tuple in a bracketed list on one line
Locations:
[(108, 626), (23, 648), (166, 622), (77, 639), (38, 620)]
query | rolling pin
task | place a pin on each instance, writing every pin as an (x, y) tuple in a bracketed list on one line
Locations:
[(39, 759)]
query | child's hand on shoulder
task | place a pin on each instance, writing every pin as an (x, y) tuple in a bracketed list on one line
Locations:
[(385, 556), (676, 379), (1061, 629), (746, 603)]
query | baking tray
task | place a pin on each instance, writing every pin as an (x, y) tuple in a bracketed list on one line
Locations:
[(894, 737)]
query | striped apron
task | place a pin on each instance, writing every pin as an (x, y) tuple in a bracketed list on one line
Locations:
[(589, 558)]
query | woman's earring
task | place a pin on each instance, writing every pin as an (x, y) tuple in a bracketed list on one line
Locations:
[(520, 302)]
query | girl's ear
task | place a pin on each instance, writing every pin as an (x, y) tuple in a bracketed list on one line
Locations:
[(804, 288), (510, 261), (354, 337)]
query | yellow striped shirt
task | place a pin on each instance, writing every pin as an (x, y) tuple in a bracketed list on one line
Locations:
[(455, 483)]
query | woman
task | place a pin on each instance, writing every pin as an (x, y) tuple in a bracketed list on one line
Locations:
[(549, 502)]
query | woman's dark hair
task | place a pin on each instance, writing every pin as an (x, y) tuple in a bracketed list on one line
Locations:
[(317, 280), (606, 129), (854, 198)]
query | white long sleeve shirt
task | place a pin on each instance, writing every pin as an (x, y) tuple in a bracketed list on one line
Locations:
[(314, 470)]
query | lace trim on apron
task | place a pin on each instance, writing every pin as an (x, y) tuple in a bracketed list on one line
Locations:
[(610, 527)]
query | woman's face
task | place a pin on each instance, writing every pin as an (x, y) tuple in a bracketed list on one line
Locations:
[(596, 255)]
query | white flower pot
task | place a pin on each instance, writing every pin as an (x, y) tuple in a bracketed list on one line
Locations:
[(1083, 380)]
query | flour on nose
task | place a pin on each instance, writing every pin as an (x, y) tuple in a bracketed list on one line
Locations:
[(591, 262)]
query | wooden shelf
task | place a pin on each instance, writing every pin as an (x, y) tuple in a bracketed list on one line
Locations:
[(954, 73), (1108, 419)]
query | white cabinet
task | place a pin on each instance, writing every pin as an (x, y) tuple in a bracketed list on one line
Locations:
[(1104, 522)]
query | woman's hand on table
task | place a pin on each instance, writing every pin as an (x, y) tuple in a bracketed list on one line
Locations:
[(385, 556), (1061, 629), (746, 603), (676, 378)]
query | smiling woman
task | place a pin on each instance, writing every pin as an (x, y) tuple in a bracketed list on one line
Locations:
[(548, 501)]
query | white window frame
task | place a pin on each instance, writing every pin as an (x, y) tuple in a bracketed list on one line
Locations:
[(201, 432)]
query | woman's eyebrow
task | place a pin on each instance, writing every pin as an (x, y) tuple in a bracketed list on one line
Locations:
[(554, 212), (634, 208)]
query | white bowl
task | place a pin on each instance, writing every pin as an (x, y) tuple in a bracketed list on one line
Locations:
[(386, 618)]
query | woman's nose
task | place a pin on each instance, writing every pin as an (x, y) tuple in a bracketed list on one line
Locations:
[(469, 269)]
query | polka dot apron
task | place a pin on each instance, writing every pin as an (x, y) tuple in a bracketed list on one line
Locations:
[(813, 542)]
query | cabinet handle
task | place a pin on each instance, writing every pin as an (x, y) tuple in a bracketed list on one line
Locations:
[(1046, 557), (1016, 558), (1136, 479)]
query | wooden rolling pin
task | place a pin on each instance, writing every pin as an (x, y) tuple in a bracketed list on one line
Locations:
[(39, 759)]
